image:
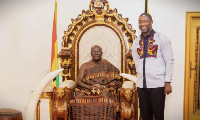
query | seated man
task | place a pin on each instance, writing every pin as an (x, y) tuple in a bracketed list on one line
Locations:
[(96, 96)]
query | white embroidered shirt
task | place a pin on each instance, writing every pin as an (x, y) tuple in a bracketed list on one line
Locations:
[(156, 63)]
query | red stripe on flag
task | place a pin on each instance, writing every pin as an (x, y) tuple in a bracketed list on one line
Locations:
[(54, 38)]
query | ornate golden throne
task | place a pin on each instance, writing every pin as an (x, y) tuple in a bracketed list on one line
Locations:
[(103, 26)]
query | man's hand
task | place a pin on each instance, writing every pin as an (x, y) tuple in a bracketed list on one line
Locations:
[(98, 87), (168, 88), (101, 87), (94, 87)]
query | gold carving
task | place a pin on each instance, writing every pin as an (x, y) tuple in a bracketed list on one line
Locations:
[(66, 62), (99, 14), (96, 91), (46, 95), (71, 37), (131, 63), (115, 22), (127, 103), (60, 104), (98, 4)]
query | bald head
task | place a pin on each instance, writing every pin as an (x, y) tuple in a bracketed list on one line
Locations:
[(96, 52), (96, 46)]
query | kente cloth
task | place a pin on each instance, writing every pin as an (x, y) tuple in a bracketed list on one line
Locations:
[(102, 106), (103, 73), (93, 108)]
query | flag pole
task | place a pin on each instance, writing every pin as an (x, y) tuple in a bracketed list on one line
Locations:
[(146, 7)]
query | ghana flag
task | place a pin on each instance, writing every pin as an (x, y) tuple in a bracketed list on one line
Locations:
[(146, 7), (54, 50)]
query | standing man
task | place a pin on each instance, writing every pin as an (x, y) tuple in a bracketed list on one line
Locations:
[(153, 57)]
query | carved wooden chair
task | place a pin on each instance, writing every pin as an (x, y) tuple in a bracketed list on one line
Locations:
[(103, 26)]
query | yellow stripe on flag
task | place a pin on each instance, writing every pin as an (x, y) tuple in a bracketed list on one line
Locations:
[(54, 65)]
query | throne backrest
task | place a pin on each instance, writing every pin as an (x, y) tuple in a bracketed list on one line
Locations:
[(99, 25), (104, 37)]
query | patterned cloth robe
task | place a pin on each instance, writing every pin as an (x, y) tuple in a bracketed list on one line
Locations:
[(102, 106)]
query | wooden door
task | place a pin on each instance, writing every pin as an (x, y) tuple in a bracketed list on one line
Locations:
[(192, 69)]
